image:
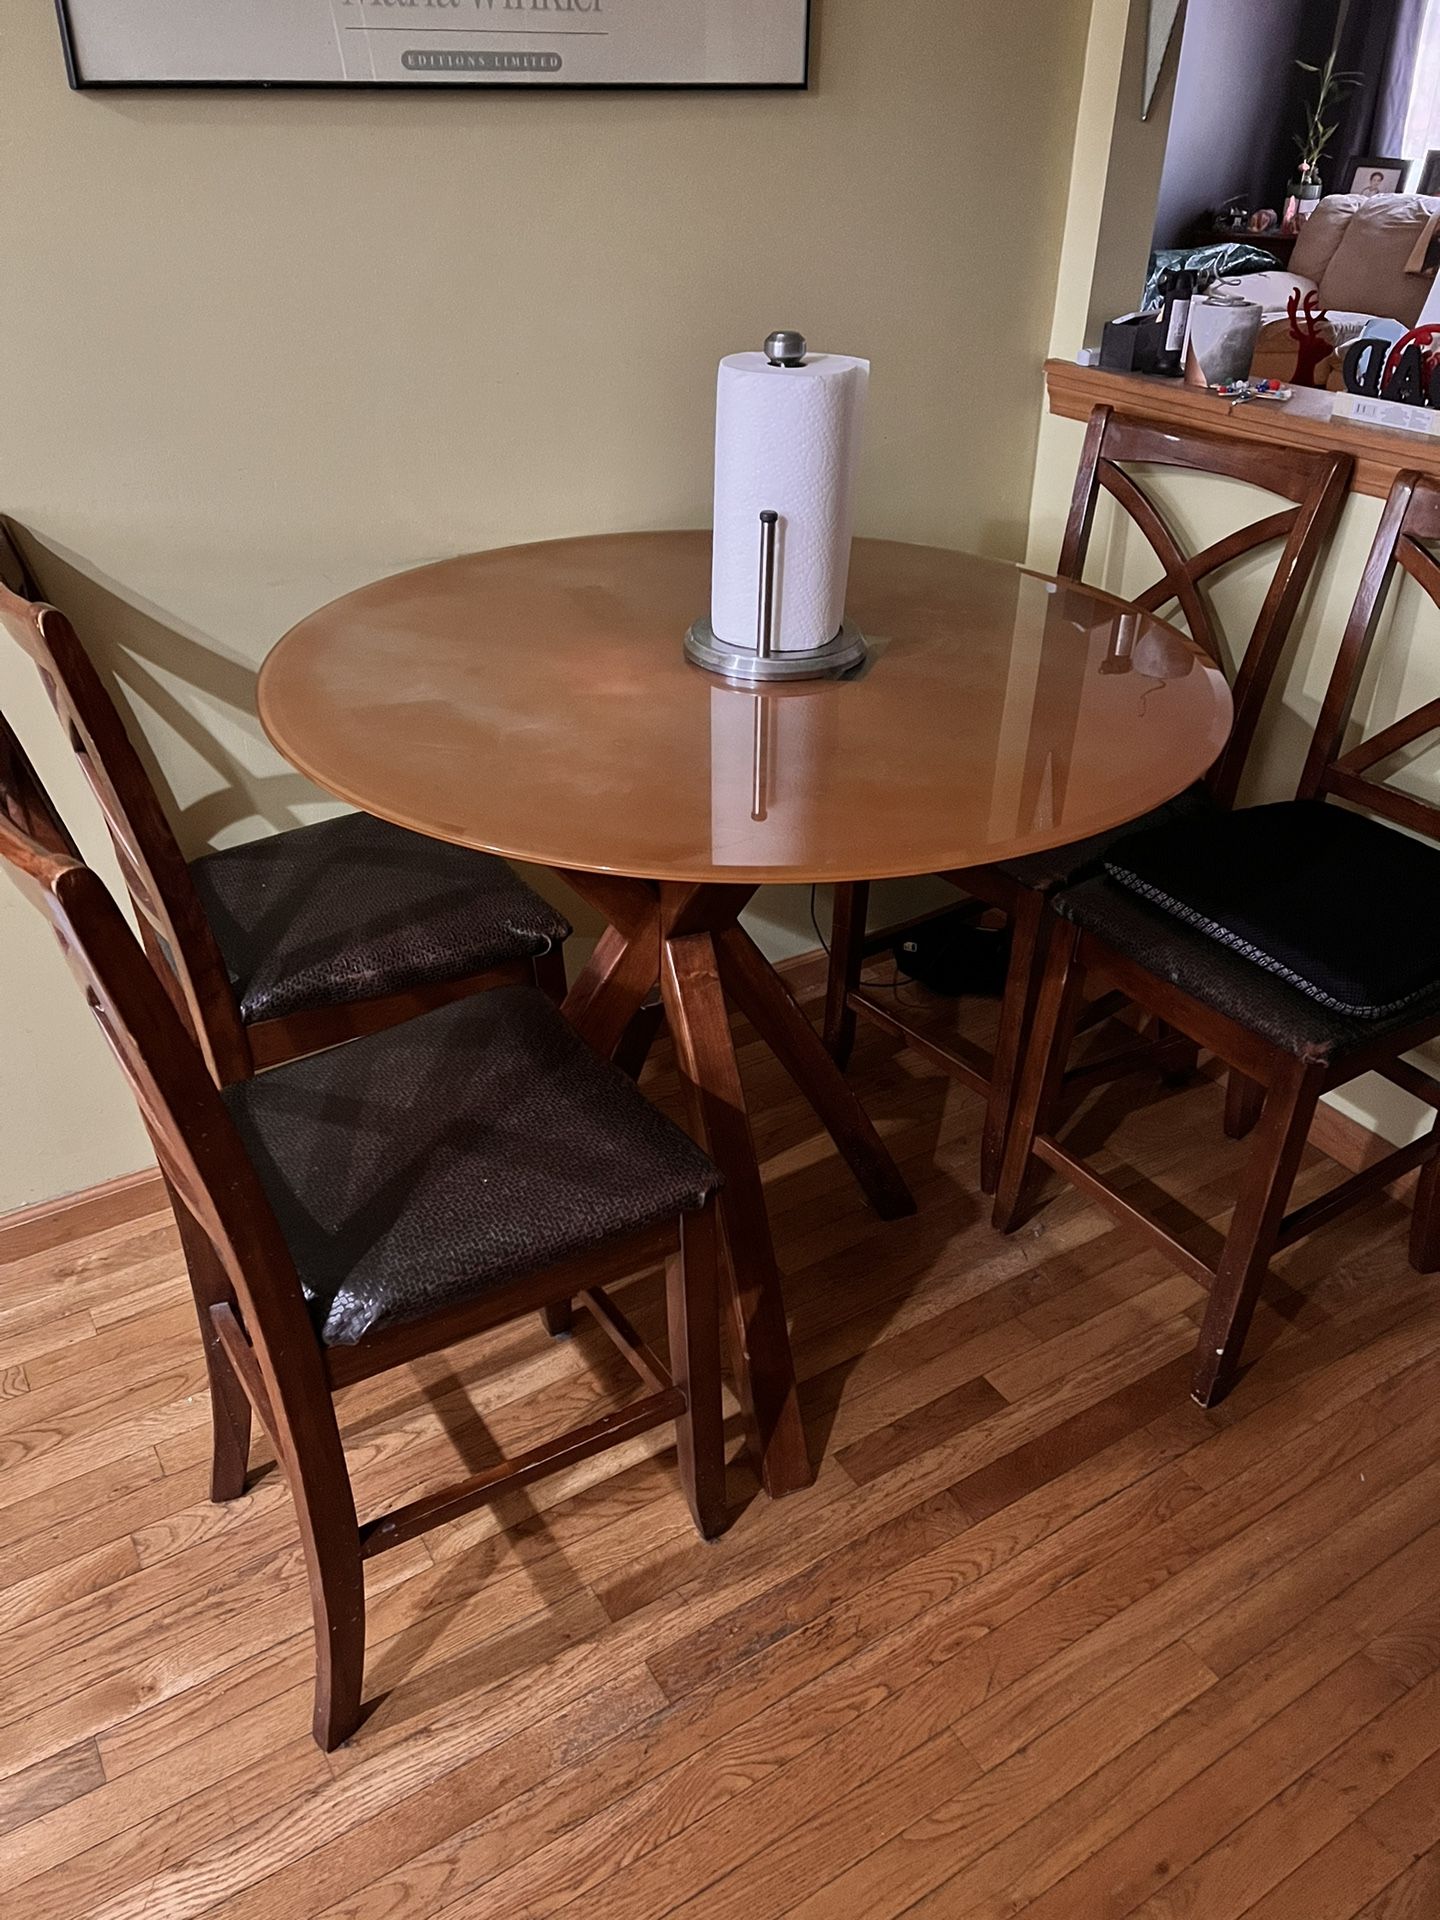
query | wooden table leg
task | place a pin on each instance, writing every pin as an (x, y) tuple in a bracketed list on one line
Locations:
[(606, 1002), (767, 1003), (690, 936), (700, 1030), (640, 1036), (612, 988)]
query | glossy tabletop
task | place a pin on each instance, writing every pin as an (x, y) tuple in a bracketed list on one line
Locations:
[(534, 702)]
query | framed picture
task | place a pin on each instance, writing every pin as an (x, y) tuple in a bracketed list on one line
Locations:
[(1369, 176), (1430, 173), (436, 43)]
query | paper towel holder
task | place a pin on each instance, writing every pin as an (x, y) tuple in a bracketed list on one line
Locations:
[(704, 648)]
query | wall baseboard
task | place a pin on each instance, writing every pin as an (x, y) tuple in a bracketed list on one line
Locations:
[(115, 1203), (51, 1223)]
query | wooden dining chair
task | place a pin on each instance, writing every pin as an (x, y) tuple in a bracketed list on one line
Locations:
[(1299, 942), (298, 940), (1316, 483), (347, 1213)]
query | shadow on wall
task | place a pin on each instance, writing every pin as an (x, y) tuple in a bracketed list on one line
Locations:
[(1001, 539), (141, 655), (138, 652)]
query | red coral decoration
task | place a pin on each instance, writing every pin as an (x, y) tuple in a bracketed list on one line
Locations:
[(1315, 348)]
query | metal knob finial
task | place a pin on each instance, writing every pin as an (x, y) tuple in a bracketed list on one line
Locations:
[(786, 349)]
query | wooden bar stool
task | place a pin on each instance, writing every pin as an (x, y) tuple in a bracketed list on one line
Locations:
[(1299, 942), (347, 1213), (1316, 483), (298, 940)]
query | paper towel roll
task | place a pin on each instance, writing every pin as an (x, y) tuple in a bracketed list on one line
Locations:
[(787, 439)]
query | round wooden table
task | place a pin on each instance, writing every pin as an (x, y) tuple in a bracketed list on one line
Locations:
[(534, 702)]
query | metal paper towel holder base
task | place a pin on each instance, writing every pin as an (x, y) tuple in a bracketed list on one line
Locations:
[(840, 656), (752, 666)]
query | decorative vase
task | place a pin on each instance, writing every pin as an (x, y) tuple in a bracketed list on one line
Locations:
[(1303, 196), (1223, 330)]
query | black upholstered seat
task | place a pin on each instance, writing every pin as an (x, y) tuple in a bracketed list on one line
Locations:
[(1340, 905), (354, 909), (1063, 866), (1221, 978), (413, 1170)]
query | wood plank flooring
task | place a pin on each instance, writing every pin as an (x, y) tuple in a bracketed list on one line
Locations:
[(1042, 1639)]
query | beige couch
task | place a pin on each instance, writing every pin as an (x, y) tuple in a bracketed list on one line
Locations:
[(1356, 252)]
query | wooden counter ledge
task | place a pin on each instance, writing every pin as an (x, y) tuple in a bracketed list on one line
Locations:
[(1303, 421)]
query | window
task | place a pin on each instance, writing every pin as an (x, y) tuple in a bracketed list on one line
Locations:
[(1421, 129)]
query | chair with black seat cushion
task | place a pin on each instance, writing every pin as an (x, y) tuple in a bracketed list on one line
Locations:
[(1300, 942), (344, 1214), (298, 940), (1316, 484)]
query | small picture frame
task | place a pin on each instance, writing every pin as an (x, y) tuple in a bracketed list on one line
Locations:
[(1430, 174), (1371, 174)]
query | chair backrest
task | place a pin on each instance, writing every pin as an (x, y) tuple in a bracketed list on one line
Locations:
[(200, 1153), (176, 934), (24, 803), (1410, 520), (1315, 481)]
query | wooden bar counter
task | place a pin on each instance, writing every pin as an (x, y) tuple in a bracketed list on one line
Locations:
[(1304, 421)]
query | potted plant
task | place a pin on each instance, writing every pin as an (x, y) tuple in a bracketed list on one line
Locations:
[(1314, 142)]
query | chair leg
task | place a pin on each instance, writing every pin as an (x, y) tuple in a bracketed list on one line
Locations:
[(1181, 1057), (847, 956), (307, 1439), (1042, 1077), (231, 1421), (559, 1318), (231, 1415), (548, 971), (1022, 983), (1244, 1102), (693, 1296), (640, 1036), (337, 1599), (1264, 1190), (1425, 1220)]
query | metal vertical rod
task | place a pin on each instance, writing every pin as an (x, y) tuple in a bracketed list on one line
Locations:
[(1118, 656), (765, 619), (761, 751)]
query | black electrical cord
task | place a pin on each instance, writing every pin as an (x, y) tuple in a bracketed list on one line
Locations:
[(895, 985)]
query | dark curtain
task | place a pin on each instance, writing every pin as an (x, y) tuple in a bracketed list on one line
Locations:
[(1370, 32), (1367, 40)]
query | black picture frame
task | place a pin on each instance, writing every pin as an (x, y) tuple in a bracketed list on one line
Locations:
[(1368, 163), (1430, 174), (81, 83)]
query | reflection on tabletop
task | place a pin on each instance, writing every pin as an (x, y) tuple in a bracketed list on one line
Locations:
[(771, 750)]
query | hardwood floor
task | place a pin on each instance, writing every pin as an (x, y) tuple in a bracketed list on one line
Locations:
[(1042, 1639)]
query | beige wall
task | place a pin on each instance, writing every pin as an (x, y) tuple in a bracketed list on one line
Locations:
[(1114, 181), (260, 348)]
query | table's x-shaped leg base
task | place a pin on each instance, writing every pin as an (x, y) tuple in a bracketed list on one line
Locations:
[(687, 939)]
